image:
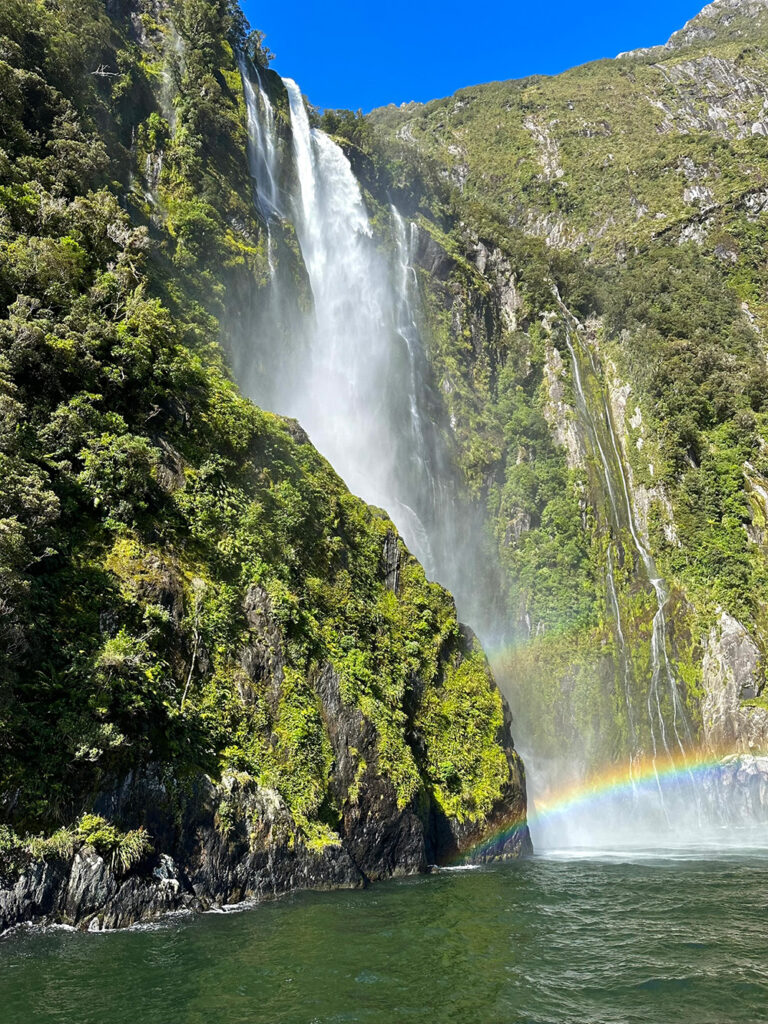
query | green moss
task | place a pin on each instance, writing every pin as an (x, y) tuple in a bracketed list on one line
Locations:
[(461, 722)]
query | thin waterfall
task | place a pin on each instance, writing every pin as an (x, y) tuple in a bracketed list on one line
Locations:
[(262, 148), (407, 327), (626, 666), (422, 456), (661, 667)]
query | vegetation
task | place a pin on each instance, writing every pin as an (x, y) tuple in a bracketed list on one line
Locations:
[(123, 849), (634, 190), (161, 538), (177, 567)]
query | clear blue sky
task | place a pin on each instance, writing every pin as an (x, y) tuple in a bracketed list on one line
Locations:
[(362, 54)]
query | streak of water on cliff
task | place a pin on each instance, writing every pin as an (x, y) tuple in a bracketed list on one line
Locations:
[(684, 806)]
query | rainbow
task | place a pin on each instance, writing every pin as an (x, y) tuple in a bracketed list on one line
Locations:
[(642, 777)]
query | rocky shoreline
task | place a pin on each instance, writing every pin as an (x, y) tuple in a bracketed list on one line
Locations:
[(236, 842)]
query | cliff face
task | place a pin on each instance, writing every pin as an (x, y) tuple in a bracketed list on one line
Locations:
[(598, 340), (223, 676)]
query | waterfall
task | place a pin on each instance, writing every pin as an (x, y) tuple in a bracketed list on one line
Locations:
[(407, 327), (423, 457), (671, 739), (353, 367), (354, 379), (262, 148), (341, 400), (626, 666)]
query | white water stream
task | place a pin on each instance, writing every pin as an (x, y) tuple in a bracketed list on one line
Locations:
[(262, 155), (690, 806), (360, 408), (352, 369)]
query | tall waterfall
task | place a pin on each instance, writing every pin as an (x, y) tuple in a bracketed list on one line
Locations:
[(354, 400), (350, 369), (353, 368)]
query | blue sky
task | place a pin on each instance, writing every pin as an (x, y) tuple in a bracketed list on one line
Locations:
[(358, 54)]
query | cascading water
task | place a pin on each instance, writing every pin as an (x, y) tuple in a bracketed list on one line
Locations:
[(624, 659), (423, 456), (688, 804), (351, 398), (262, 149), (353, 377), (353, 369)]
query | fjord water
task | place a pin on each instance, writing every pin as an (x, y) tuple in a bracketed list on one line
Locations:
[(675, 936)]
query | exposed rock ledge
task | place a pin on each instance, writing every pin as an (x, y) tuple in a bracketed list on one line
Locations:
[(731, 678), (232, 842)]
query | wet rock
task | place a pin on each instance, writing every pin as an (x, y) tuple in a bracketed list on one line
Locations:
[(742, 783), (391, 556), (731, 674), (505, 834), (431, 257), (237, 841), (559, 413), (262, 659)]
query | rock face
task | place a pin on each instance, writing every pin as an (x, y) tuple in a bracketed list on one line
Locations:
[(238, 842), (742, 790), (723, 18), (211, 865), (730, 676)]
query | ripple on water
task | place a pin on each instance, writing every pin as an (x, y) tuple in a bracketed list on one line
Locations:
[(561, 940)]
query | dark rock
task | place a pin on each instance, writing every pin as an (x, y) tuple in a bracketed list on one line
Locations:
[(296, 431), (263, 658), (432, 257), (236, 841), (391, 556), (233, 841)]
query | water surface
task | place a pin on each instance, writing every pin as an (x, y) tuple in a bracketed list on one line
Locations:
[(588, 938)]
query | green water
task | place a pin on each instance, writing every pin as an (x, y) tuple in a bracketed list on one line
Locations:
[(662, 939)]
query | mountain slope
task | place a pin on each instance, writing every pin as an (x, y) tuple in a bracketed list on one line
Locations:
[(612, 154), (592, 253), (222, 674)]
